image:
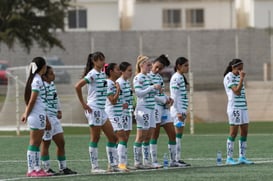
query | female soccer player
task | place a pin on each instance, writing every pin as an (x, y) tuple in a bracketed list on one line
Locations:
[(94, 110), (127, 99), (54, 114), (145, 91), (236, 110), (35, 115), (113, 108), (162, 113), (178, 91)]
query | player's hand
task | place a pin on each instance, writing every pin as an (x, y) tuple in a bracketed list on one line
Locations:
[(125, 105), (157, 86), (24, 118), (242, 74), (59, 115), (87, 108)]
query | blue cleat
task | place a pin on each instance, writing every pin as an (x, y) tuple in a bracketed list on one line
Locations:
[(230, 161), (243, 160)]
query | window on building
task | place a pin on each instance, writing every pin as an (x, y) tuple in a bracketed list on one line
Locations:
[(77, 18), (195, 18), (172, 18)]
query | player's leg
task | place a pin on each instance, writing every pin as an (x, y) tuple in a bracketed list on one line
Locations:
[(233, 130), (60, 151), (111, 149), (243, 139)]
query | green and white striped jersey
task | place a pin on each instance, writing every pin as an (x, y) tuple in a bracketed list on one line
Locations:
[(53, 104), (37, 85), (96, 89), (116, 109), (178, 93), (157, 79), (127, 94), (234, 101), (144, 91)]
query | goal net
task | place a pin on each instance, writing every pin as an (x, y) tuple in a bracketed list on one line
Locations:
[(14, 106)]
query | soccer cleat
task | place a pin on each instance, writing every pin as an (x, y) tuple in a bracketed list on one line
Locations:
[(184, 163), (157, 165), (123, 167), (148, 165), (230, 161), (139, 166), (243, 160), (113, 168), (67, 171), (42, 173), (97, 170), (176, 164), (50, 171), (33, 173)]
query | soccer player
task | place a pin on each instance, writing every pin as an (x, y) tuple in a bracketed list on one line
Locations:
[(113, 108), (54, 114), (236, 110), (162, 113), (145, 92), (95, 79), (178, 92), (35, 115), (127, 99)]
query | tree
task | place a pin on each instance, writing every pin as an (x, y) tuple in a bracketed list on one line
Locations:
[(29, 21)]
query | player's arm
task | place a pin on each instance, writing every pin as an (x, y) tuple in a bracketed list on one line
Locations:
[(113, 98), (78, 88), (237, 88)]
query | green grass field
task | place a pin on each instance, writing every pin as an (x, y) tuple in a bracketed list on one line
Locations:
[(198, 149)]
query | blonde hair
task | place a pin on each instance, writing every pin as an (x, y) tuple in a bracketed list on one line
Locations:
[(140, 60)]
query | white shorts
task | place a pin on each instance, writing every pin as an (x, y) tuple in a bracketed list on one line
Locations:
[(56, 128), (162, 115), (117, 123), (127, 121), (97, 117), (145, 118), (166, 117), (36, 120), (238, 117), (177, 121)]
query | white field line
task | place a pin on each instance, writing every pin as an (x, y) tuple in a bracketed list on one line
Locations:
[(134, 171)]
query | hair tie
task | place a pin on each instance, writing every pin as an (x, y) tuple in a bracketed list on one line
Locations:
[(33, 67)]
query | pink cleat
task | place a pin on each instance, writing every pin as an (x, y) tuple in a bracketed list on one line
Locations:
[(42, 173), (33, 173)]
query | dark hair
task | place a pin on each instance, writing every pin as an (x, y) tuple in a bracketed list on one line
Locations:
[(47, 70), (163, 59), (110, 67), (92, 57), (40, 62), (233, 63), (123, 66), (181, 61)]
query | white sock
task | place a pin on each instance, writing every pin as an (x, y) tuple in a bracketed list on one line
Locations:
[(30, 160), (93, 153), (242, 148), (178, 149), (121, 153), (111, 155), (230, 148), (153, 152), (37, 161), (172, 152), (146, 153), (62, 164), (46, 164), (137, 153)]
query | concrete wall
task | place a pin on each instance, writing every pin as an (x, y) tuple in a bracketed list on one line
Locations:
[(209, 51)]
